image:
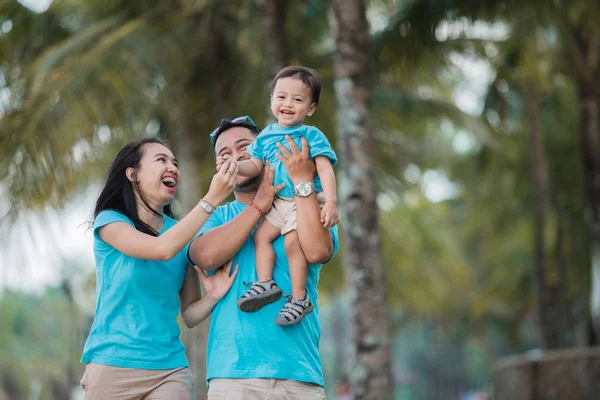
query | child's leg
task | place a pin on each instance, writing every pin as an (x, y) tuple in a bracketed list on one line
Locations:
[(264, 236), (298, 305), (298, 264), (265, 291)]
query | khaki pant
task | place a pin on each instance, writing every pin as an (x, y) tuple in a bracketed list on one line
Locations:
[(263, 389), (103, 382), (283, 213)]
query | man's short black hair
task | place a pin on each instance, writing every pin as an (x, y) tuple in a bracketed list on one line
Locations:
[(227, 124), (308, 76)]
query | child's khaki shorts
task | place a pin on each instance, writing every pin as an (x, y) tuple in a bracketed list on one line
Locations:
[(282, 214)]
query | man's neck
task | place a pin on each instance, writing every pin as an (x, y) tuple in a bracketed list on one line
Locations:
[(245, 198)]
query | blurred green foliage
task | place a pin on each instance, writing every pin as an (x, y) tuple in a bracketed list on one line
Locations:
[(84, 77)]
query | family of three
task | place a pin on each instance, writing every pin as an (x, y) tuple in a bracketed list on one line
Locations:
[(271, 240)]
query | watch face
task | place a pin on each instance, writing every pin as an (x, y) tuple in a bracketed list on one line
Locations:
[(209, 208), (304, 189)]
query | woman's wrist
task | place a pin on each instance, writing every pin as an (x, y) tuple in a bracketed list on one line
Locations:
[(211, 300), (212, 200)]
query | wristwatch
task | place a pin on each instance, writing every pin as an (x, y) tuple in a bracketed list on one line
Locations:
[(304, 189), (209, 208)]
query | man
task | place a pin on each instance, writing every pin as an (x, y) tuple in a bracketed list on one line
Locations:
[(248, 355)]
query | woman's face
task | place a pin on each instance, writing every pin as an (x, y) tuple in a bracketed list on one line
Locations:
[(158, 176)]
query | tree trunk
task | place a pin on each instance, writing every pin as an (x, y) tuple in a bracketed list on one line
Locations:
[(278, 50), (194, 339), (586, 53), (549, 283), (371, 376), (185, 149), (591, 157), (274, 16)]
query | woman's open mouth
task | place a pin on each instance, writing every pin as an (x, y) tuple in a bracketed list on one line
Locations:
[(169, 182)]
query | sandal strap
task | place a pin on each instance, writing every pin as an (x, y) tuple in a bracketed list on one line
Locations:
[(292, 310), (257, 288)]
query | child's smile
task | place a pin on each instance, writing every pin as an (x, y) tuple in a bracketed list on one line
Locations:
[(291, 102)]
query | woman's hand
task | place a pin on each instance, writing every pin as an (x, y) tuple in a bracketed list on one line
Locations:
[(223, 182), (218, 284), (266, 191)]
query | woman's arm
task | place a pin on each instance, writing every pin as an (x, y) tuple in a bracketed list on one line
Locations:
[(195, 309), (134, 243), (315, 239), (220, 244)]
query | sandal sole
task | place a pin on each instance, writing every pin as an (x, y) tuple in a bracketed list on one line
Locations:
[(257, 302)]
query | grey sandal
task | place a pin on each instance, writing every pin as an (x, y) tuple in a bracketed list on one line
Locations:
[(294, 310), (259, 295)]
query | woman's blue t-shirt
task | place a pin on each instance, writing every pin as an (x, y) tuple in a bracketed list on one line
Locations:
[(137, 303)]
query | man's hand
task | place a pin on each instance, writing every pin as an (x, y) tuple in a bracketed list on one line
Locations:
[(266, 191), (299, 165), (329, 215)]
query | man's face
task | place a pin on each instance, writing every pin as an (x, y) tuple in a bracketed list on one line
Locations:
[(233, 142)]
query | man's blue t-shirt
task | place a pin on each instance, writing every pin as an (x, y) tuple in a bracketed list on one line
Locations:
[(250, 345), (264, 148), (135, 325)]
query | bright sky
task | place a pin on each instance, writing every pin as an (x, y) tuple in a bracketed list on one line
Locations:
[(36, 5), (33, 257)]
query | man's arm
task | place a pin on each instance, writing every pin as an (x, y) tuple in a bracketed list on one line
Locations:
[(315, 239), (212, 249)]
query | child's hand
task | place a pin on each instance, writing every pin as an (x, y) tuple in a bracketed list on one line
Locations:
[(329, 215), (221, 160)]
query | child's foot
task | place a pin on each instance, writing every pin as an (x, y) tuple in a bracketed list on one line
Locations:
[(294, 310), (259, 295)]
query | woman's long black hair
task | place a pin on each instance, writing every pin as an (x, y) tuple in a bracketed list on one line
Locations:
[(118, 192)]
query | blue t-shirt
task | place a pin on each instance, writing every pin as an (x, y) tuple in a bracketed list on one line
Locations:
[(137, 303), (250, 345), (265, 149)]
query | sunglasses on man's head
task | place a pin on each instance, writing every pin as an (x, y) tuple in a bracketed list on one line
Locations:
[(239, 120)]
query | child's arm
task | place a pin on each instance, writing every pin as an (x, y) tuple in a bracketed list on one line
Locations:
[(329, 214), (248, 168)]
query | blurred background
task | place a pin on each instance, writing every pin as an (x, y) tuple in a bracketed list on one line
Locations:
[(484, 120)]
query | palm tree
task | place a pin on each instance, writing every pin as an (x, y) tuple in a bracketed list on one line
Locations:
[(576, 54), (371, 377)]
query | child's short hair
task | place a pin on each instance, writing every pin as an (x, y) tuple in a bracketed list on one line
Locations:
[(308, 76)]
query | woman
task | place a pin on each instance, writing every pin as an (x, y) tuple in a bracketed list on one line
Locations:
[(133, 350)]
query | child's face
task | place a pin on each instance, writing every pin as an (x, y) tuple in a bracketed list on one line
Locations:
[(291, 102)]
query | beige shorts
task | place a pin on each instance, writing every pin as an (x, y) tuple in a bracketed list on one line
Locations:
[(263, 389), (100, 382), (282, 214)]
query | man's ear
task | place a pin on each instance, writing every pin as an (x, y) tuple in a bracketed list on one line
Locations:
[(130, 173), (311, 109)]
